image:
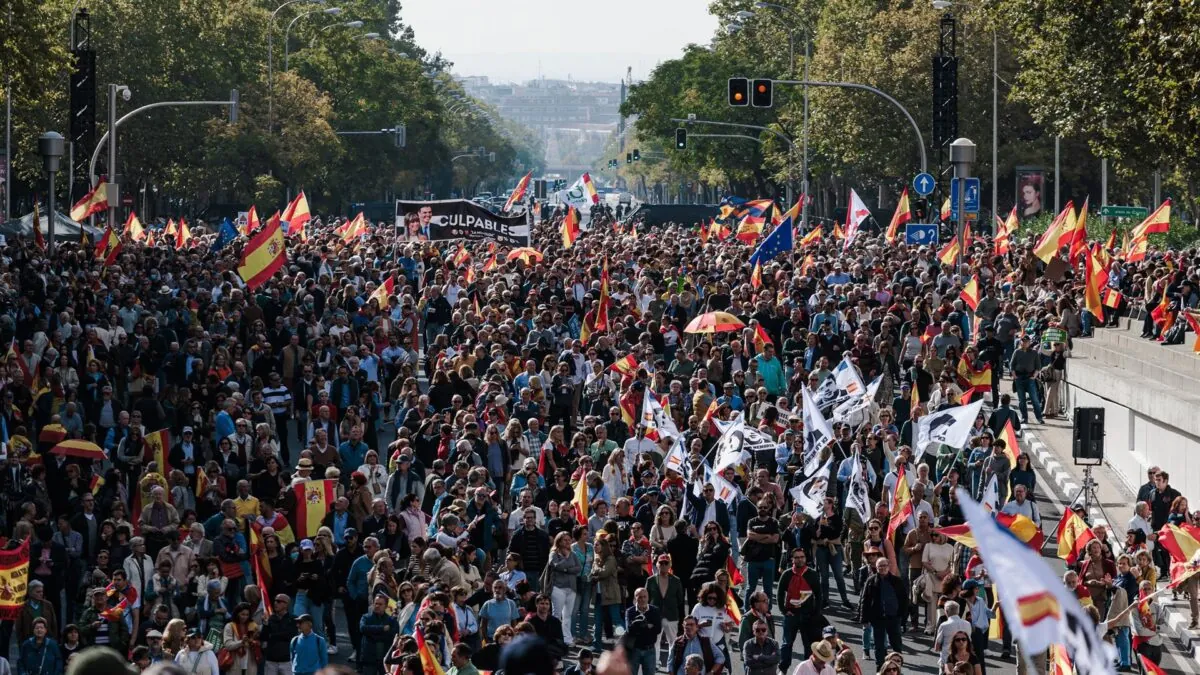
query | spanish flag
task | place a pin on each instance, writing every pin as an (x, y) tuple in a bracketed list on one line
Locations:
[(95, 484), (93, 202), (570, 227), (1037, 607), (1181, 541), (731, 607), (838, 233), (429, 662), (133, 228), (158, 447), (902, 215), (972, 380), (314, 498), (1073, 536), (1095, 282), (517, 193), (1009, 435), (629, 404), (970, 293), (1136, 251), (626, 366), (1148, 667), (490, 265), (183, 235), (580, 500), (1111, 298), (756, 275), (296, 215), (108, 248), (602, 309), (813, 237), (1060, 661), (902, 506), (1161, 314), (1074, 233), (946, 210), (252, 222), (116, 612), (735, 574), (949, 252), (171, 230), (263, 256), (1158, 222), (1021, 527), (260, 564), (1194, 324), (808, 263), (461, 256), (353, 228), (385, 291), (201, 483), (761, 339), (749, 230), (1047, 246)]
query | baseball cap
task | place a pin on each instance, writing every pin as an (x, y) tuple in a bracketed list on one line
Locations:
[(306, 545)]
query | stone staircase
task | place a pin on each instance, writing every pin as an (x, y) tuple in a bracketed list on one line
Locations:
[(1173, 367)]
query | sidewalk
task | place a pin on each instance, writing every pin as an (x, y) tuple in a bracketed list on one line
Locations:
[(1049, 446)]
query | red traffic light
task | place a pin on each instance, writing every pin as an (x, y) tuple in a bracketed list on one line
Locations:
[(761, 97), (739, 91)]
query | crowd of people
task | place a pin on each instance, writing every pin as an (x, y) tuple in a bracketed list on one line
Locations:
[(495, 481)]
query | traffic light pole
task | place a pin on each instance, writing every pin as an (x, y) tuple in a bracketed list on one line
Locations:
[(879, 93), (791, 145)]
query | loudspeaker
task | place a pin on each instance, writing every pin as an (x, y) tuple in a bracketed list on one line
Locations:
[(1087, 443)]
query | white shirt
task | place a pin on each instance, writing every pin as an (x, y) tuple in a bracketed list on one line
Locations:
[(715, 633), (806, 667), (918, 509), (516, 518)]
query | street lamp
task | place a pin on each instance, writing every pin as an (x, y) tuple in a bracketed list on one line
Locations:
[(51, 145), (287, 34), (113, 186), (347, 24), (271, 58), (368, 36)]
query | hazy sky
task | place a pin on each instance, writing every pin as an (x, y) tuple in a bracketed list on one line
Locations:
[(514, 40)]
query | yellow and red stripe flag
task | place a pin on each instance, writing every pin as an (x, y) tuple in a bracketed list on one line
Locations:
[(201, 484), (902, 215), (813, 237), (354, 228), (735, 574), (116, 612), (761, 339), (1022, 528), (1181, 541), (14, 576), (1047, 247), (183, 235), (1009, 435), (429, 662), (385, 291), (518, 192), (1074, 234), (1060, 661), (1158, 222), (756, 275), (949, 253), (1194, 324), (95, 484), (263, 256), (1095, 282), (570, 227), (490, 265), (602, 309), (314, 498), (1004, 231), (807, 265), (461, 256), (133, 227), (970, 293), (626, 365), (945, 212), (902, 506), (580, 501), (1148, 666), (972, 380), (731, 607), (94, 201), (838, 232), (260, 564), (1073, 536), (38, 239), (296, 215), (157, 449), (252, 222), (109, 247)]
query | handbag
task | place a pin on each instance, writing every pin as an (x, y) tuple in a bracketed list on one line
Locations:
[(224, 659)]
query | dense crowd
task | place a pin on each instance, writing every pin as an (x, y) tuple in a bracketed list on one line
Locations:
[(458, 415)]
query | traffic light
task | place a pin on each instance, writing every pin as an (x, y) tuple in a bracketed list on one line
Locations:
[(681, 139), (760, 95), (629, 158), (637, 156), (739, 91), (921, 210)]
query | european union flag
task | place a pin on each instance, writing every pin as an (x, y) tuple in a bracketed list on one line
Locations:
[(781, 239), (225, 236), (731, 200)]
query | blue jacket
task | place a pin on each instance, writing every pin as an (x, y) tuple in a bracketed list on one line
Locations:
[(356, 583), (353, 455), (43, 659), (309, 653), (772, 374), (377, 635)]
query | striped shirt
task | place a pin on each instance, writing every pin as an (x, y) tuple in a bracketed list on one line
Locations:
[(278, 398)]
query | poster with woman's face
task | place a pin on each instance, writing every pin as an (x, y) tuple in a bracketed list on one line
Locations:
[(1030, 184)]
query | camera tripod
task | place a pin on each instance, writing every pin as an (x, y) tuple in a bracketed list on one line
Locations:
[(1086, 496)]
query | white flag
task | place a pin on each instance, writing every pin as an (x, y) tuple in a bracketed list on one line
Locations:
[(654, 417), (810, 495), (856, 213), (857, 497), (582, 194), (675, 458), (1038, 609), (817, 432), (847, 378), (827, 393), (951, 427), (991, 495), (726, 491)]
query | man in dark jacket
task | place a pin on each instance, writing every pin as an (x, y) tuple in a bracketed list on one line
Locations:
[(798, 599), (701, 506), (883, 604), (689, 643), (533, 545), (378, 629), (643, 622), (277, 633)]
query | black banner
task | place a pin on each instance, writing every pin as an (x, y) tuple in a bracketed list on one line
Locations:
[(459, 219)]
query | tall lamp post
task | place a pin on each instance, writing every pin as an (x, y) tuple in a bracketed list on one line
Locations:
[(271, 59), (287, 34), (52, 146)]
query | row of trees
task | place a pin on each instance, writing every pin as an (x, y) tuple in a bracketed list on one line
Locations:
[(1112, 80), (200, 49)]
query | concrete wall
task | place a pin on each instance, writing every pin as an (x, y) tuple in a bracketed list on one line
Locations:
[(1146, 422)]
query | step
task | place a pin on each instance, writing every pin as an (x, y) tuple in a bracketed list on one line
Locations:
[(1139, 363), (1177, 358)]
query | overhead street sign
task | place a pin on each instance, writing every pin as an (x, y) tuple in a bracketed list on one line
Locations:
[(1139, 212), (970, 196), (921, 234), (924, 184)]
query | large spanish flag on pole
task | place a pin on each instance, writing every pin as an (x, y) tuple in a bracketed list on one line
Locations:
[(429, 662), (518, 192), (314, 498), (158, 447), (263, 256), (93, 202), (296, 214), (261, 565), (14, 580), (902, 506), (1157, 222)]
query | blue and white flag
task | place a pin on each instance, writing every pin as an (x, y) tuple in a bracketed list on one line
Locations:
[(781, 239), (1038, 608)]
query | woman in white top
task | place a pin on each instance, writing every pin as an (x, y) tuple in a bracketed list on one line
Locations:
[(377, 475), (710, 613), (518, 444), (614, 476)]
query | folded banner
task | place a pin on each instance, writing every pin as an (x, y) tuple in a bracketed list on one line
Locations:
[(459, 219), (14, 580)]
